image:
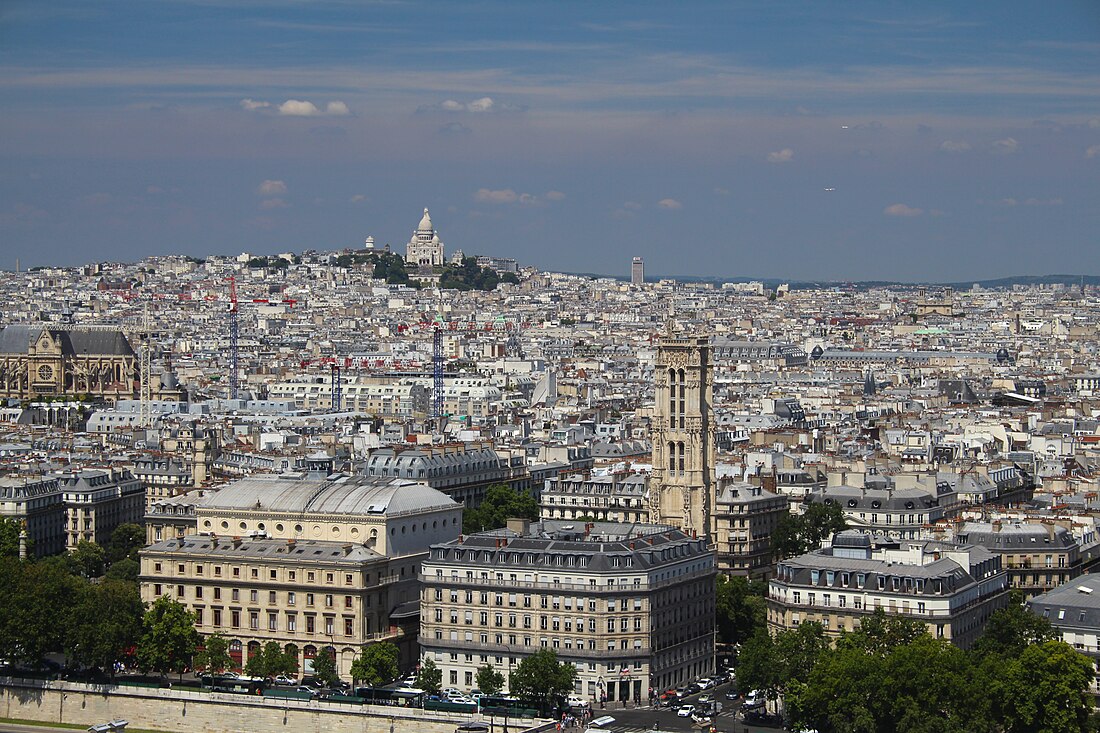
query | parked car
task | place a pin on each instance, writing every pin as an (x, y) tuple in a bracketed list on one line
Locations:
[(733, 693), (755, 699), (704, 699), (576, 702), (284, 680), (707, 683), (306, 688), (686, 711), (450, 691)]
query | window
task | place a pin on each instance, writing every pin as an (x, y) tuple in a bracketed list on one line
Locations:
[(290, 598), (272, 622), (330, 626), (329, 578), (273, 574), (310, 621), (347, 579), (347, 601), (217, 617), (235, 619), (254, 621), (291, 622), (348, 627), (255, 572), (328, 601), (254, 596), (198, 592), (271, 598), (198, 617)]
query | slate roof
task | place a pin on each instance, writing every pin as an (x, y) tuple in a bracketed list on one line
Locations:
[(17, 338)]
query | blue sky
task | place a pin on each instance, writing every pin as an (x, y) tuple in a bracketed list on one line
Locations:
[(805, 140)]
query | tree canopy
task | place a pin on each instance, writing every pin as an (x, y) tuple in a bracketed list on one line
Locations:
[(500, 504), (126, 540), (103, 622), (324, 668), (740, 608), (214, 656), (169, 639), (377, 664), (489, 680), (797, 534), (429, 677), (542, 679), (271, 660)]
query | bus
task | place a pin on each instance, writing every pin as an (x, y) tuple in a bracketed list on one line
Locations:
[(232, 683), (401, 696), (509, 706)]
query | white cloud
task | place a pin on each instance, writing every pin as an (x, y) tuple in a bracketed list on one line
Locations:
[(901, 210), (1093, 151), (337, 109), (358, 198), (272, 188), (555, 195), (499, 196), (269, 204), (480, 105), (451, 105), (526, 198), (1006, 146), (786, 155), (953, 146), (297, 108), (253, 105), (669, 204)]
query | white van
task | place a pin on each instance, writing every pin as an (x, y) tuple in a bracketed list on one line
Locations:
[(576, 702)]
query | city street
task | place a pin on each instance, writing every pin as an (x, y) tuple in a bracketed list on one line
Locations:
[(634, 719)]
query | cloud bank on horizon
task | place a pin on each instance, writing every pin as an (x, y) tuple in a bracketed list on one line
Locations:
[(795, 140)]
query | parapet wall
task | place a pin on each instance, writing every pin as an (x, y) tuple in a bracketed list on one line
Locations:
[(182, 711)]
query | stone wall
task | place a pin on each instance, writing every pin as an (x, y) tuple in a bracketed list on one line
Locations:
[(181, 711)]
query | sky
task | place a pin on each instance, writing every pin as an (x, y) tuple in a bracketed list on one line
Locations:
[(931, 141)]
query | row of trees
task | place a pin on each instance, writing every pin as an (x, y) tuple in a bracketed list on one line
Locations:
[(470, 276), (891, 675)]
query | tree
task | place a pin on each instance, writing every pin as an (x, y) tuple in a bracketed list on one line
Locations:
[(489, 680), (740, 608), (35, 598), (377, 664), (776, 664), (88, 559), (125, 569), (429, 677), (1012, 629), (9, 537), (169, 638), (214, 656), (1045, 690), (500, 504), (797, 534), (126, 540), (881, 632), (104, 622), (542, 679), (324, 668), (271, 660)]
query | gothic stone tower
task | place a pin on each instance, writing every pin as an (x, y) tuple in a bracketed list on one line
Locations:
[(682, 486)]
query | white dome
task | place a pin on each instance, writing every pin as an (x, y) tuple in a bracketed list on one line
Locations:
[(425, 222)]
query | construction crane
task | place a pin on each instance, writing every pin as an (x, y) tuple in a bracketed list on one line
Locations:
[(234, 332)]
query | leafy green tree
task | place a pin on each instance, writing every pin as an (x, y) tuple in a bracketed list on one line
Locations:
[(377, 664), (489, 680), (880, 632), (1045, 690), (88, 559), (500, 504), (9, 538), (542, 679), (104, 622), (429, 677), (214, 656), (797, 534), (125, 569), (35, 598), (777, 664), (324, 668), (126, 540), (740, 608), (271, 660), (169, 638), (1012, 629)]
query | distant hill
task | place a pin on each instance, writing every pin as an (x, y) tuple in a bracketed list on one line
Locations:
[(1001, 282)]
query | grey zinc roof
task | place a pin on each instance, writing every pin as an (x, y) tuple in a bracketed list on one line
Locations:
[(17, 338), (1079, 599), (301, 550), (356, 495)]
